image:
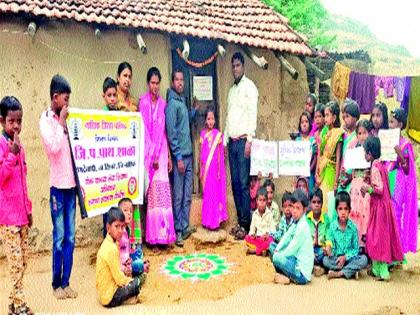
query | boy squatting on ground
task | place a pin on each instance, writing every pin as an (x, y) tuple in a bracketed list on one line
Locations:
[(113, 286), (342, 246), (293, 257), (262, 224)]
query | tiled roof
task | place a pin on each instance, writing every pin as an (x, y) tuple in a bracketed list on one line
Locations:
[(244, 22)]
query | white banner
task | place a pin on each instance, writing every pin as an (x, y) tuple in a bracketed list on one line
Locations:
[(294, 158), (355, 159), (108, 152), (264, 158)]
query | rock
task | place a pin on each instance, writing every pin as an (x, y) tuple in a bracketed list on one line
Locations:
[(203, 236)]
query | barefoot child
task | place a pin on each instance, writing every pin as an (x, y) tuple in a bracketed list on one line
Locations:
[(16, 208), (62, 186), (285, 221), (360, 204), (342, 246), (403, 185), (271, 204), (383, 243), (351, 115), (305, 127), (262, 224), (131, 253), (319, 224), (113, 286), (329, 153), (213, 175), (293, 257)]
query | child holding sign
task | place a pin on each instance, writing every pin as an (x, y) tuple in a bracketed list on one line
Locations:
[(16, 208), (360, 204), (62, 185), (212, 175), (383, 243), (329, 153), (404, 194)]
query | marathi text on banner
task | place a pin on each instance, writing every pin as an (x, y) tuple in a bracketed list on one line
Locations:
[(294, 158), (108, 153), (264, 158), (389, 139)]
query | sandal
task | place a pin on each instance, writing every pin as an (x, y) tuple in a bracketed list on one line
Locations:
[(11, 310), (235, 230), (240, 235)]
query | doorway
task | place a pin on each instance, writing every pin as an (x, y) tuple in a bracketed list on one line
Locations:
[(200, 75)]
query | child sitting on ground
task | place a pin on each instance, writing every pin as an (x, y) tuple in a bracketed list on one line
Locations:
[(131, 254), (113, 286), (271, 204), (262, 224), (319, 224), (342, 246), (285, 221), (293, 257)]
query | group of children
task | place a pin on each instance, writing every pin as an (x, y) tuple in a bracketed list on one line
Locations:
[(352, 216), (374, 218)]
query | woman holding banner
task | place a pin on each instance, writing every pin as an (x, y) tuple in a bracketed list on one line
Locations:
[(159, 217)]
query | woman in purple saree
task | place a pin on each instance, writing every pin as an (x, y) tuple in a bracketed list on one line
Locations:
[(159, 218), (212, 175)]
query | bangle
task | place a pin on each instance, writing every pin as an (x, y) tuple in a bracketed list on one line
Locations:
[(370, 190)]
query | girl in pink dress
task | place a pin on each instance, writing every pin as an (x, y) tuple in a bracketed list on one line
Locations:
[(159, 218), (212, 175)]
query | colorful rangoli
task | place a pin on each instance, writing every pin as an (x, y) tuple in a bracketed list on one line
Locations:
[(193, 267)]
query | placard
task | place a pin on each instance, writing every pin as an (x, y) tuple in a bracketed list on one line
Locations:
[(389, 139), (294, 158), (203, 88), (264, 158), (354, 159), (108, 153)]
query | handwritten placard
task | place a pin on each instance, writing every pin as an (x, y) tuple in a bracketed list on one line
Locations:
[(354, 159), (389, 139), (294, 158), (264, 158), (203, 88), (108, 153)]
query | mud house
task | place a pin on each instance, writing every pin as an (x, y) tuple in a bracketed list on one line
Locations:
[(86, 40)]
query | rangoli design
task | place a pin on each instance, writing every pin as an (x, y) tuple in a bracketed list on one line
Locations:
[(194, 267)]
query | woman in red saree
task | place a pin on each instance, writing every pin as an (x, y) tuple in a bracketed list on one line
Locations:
[(159, 218), (212, 175)]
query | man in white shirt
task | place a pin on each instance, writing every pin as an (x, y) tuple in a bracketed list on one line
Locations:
[(241, 123)]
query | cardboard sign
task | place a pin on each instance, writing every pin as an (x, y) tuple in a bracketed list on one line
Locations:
[(264, 158), (355, 159), (294, 158), (108, 153), (389, 139)]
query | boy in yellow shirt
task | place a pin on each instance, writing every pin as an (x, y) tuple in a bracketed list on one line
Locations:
[(114, 288)]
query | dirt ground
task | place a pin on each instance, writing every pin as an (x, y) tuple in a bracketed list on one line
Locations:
[(247, 289)]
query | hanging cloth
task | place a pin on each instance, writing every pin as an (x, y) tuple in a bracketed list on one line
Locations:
[(406, 96), (362, 90), (340, 81), (386, 83), (414, 110)]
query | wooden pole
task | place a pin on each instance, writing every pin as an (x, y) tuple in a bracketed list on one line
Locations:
[(292, 71)]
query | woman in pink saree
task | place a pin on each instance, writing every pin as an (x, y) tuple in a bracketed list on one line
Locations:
[(212, 175), (159, 218)]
